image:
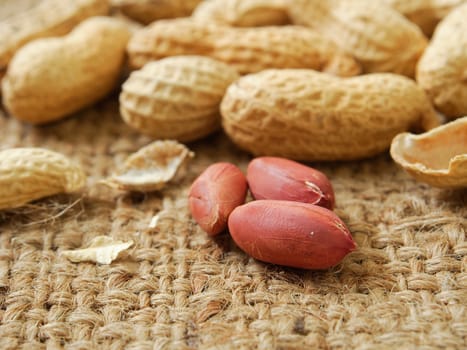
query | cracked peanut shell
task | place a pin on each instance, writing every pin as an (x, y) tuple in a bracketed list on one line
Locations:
[(152, 167), (437, 157), (307, 115), (246, 49)]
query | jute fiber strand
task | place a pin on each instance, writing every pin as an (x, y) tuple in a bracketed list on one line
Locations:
[(405, 287)]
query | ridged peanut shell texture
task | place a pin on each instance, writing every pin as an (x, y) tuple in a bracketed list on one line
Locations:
[(147, 11), (27, 174), (437, 157), (243, 13), (306, 115), (442, 70), (246, 49), (215, 193), (41, 18), (177, 97), (379, 37), (54, 77), (290, 233), (424, 13)]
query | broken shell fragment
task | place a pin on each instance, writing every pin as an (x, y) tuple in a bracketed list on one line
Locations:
[(102, 250), (437, 157), (152, 167)]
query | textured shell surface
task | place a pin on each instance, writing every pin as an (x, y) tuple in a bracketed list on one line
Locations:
[(53, 77), (247, 49), (307, 115), (176, 97), (437, 157), (442, 70), (27, 174), (147, 11), (379, 37), (44, 18), (424, 13), (244, 13), (152, 167)]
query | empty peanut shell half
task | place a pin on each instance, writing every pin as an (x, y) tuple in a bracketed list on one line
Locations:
[(437, 157), (152, 167)]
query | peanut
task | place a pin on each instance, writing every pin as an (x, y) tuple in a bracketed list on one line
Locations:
[(27, 174), (47, 18), (54, 77), (307, 115), (176, 97), (243, 13), (283, 179), (442, 70), (424, 13), (147, 11), (290, 233), (246, 49), (214, 194), (379, 37)]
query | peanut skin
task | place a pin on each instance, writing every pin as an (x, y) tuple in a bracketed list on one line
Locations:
[(290, 233), (214, 194), (283, 179)]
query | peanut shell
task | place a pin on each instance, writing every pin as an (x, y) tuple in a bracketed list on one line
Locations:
[(424, 13), (442, 70), (152, 167), (53, 77), (147, 11), (243, 13), (437, 157), (379, 37), (44, 18), (246, 49), (307, 115), (177, 97), (27, 174)]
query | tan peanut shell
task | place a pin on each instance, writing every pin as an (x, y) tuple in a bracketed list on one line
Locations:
[(424, 13), (27, 174), (176, 97), (152, 167), (44, 18), (437, 157), (52, 77), (379, 37), (442, 70), (243, 13), (307, 115), (147, 11), (247, 49)]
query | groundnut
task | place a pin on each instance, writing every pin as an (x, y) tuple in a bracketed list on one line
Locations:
[(290, 233), (214, 194), (280, 178)]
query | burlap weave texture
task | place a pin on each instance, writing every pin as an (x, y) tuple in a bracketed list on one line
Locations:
[(405, 287)]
